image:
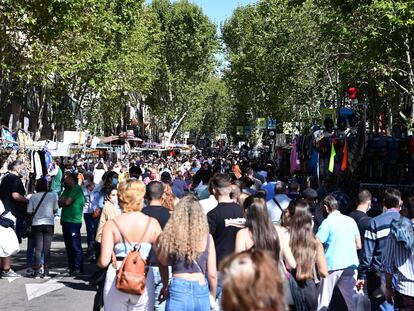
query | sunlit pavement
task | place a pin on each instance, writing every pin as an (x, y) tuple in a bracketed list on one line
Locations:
[(60, 292)]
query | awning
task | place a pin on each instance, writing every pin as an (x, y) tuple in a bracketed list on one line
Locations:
[(109, 139)]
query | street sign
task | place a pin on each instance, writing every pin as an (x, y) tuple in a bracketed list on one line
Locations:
[(271, 124), (261, 123), (346, 112), (186, 135), (328, 113)]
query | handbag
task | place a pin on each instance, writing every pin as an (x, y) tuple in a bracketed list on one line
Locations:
[(6, 222), (361, 301), (96, 213), (27, 223)]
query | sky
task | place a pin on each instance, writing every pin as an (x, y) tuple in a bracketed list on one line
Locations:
[(219, 10)]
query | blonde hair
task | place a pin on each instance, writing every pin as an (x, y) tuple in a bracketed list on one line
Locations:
[(184, 233), (131, 195), (168, 197)]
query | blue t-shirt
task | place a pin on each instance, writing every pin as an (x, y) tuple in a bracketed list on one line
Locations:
[(270, 190), (337, 234)]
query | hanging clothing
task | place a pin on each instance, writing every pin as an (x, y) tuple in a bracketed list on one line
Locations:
[(37, 165), (332, 159), (344, 164), (42, 155), (294, 161)]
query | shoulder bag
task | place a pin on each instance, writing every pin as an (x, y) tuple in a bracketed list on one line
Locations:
[(27, 223)]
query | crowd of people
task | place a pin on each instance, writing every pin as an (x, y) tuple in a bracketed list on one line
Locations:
[(217, 233)]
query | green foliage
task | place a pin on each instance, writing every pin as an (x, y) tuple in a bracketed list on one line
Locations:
[(93, 51), (212, 111), (287, 58), (187, 47)]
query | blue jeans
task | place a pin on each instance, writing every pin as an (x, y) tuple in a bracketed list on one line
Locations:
[(72, 239), (186, 295), (158, 286), (30, 259), (59, 211), (219, 291), (91, 227), (381, 305)]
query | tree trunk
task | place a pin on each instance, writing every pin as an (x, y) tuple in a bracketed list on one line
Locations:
[(41, 105)]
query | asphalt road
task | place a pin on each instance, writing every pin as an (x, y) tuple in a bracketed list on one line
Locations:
[(61, 292)]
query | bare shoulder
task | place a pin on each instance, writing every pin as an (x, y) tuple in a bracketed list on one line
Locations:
[(243, 233)]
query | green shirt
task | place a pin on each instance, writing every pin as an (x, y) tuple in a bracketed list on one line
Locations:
[(73, 213), (56, 184)]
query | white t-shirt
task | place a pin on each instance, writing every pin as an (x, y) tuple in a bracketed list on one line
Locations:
[(97, 175), (208, 204)]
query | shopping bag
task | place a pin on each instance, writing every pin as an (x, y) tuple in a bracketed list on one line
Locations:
[(361, 301)]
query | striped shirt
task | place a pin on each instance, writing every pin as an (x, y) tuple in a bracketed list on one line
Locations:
[(374, 241), (397, 260)]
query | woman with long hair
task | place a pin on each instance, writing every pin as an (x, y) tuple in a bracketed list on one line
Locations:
[(308, 253), (169, 200), (122, 234), (187, 245), (261, 233)]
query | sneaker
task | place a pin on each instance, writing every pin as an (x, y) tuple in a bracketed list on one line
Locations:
[(46, 274), (10, 274), (92, 259), (75, 272), (29, 272), (36, 274), (42, 270)]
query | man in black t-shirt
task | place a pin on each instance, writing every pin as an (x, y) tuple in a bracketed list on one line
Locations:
[(12, 195), (224, 221), (12, 191), (360, 214), (154, 192)]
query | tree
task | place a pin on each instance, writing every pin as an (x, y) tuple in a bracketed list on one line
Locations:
[(212, 110), (81, 59), (188, 45)]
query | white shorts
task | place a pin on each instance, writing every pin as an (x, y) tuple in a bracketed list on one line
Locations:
[(115, 300)]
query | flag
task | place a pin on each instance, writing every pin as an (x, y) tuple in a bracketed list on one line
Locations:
[(344, 164), (332, 159)]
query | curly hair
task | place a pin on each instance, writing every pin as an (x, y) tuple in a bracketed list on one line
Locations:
[(185, 231), (131, 195), (168, 198)]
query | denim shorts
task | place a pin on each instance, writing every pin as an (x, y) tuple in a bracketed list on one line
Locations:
[(184, 295)]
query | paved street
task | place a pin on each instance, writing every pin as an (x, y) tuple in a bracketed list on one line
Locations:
[(61, 292)]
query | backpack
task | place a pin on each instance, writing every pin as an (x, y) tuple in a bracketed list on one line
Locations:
[(132, 275)]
